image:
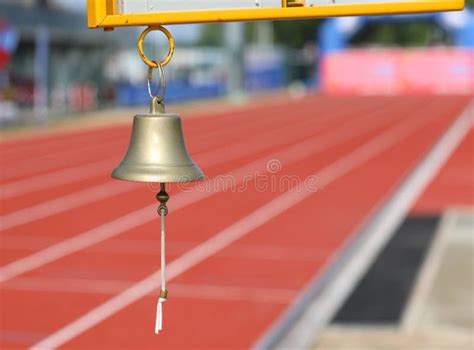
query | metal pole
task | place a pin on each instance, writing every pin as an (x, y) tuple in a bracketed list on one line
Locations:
[(265, 33), (41, 72), (234, 44)]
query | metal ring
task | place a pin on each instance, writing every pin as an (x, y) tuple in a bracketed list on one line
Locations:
[(161, 82), (162, 210), (141, 39)]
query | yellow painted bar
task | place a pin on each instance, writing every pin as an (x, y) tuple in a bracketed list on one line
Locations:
[(98, 10), (286, 13), (110, 6), (95, 13)]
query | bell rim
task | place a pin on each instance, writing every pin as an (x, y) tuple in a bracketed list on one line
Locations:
[(153, 173)]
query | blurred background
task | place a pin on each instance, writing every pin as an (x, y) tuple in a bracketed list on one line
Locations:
[(51, 65), (313, 97)]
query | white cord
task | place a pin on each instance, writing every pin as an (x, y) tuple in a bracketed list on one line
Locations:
[(163, 292), (163, 257)]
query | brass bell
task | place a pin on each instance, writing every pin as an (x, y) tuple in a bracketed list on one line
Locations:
[(157, 151)]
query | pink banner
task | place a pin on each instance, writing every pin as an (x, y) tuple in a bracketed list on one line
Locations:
[(399, 71)]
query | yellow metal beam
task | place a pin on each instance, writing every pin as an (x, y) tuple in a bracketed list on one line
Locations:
[(95, 13), (108, 17), (98, 10)]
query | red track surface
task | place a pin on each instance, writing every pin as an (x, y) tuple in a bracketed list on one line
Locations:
[(454, 185), (231, 298)]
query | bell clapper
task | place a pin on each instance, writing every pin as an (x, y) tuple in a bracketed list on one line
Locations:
[(162, 197)]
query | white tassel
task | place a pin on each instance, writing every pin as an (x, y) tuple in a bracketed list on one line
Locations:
[(159, 315), (162, 210)]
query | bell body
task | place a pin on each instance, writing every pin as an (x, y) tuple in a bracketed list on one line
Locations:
[(157, 152)]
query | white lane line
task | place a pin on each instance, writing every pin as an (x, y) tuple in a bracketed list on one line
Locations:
[(233, 293), (323, 308), (51, 162), (188, 291), (68, 151), (148, 247), (232, 233), (54, 179), (76, 243), (142, 216), (62, 158), (273, 138), (90, 195), (64, 203), (233, 151), (66, 285)]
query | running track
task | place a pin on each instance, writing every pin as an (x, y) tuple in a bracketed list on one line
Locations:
[(289, 182)]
